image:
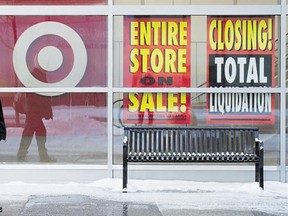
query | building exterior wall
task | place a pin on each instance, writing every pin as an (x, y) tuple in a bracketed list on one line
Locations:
[(85, 134)]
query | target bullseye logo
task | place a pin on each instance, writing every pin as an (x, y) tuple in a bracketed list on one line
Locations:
[(55, 58), (50, 58)]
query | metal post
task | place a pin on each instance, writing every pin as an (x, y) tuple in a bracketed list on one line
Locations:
[(125, 163), (257, 164), (261, 163)]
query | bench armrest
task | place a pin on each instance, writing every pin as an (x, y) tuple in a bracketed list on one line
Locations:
[(259, 143)]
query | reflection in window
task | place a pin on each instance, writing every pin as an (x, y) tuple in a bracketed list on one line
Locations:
[(76, 134)]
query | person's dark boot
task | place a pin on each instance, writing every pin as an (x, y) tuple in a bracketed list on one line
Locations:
[(47, 158), (23, 148), (43, 155)]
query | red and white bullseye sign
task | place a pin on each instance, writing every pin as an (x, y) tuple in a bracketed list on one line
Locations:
[(50, 57)]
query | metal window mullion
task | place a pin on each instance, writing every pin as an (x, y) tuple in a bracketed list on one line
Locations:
[(283, 94), (199, 90), (54, 89), (54, 10), (110, 32)]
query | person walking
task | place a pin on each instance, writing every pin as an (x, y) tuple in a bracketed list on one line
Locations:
[(37, 108)]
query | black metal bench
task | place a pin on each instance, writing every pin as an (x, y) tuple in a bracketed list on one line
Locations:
[(192, 145)]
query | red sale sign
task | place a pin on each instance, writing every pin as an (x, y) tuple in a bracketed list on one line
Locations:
[(157, 54)]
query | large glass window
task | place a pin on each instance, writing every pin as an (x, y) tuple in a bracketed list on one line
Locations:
[(55, 52), (198, 57), (68, 128)]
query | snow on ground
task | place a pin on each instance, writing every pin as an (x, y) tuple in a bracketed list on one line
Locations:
[(167, 194)]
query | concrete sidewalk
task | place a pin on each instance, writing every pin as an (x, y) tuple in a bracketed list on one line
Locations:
[(75, 205)]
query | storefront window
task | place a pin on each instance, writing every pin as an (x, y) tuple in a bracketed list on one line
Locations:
[(75, 125), (230, 54), (150, 61), (195, 2), (52, 2), (72, 49), (54, 52)]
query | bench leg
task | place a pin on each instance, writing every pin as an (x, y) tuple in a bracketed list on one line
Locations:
[(125, 169), (257, 171), (261, 168)]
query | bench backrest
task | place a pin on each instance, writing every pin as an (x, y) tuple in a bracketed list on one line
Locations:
[(190, 140)]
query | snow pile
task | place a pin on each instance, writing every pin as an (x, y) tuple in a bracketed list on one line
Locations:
[(166, 193)]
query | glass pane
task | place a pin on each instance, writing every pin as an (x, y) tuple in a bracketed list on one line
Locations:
[(118, 128), (202, 113), (69, 128), (152, 61), (71, 49), (195, 2), (53, 2)]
